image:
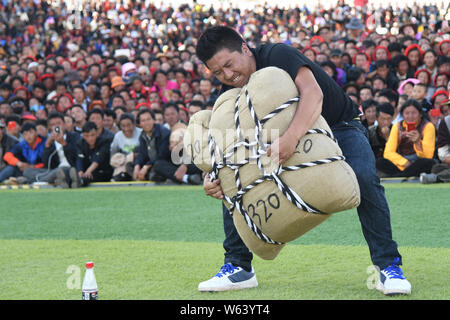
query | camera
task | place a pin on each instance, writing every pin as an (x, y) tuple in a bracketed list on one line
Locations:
[(57, 129)]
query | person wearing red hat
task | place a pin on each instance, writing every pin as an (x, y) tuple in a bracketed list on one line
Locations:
[(438, 97), (414, 54), (22, 92), (64, 102), (441, 79), (444, 48), (48, 79)]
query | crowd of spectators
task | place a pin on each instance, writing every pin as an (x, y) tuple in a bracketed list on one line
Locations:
[(104, 90)]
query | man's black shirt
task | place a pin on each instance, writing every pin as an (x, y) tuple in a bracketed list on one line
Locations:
[(336, 107)]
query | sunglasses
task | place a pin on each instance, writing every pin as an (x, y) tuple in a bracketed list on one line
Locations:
[(36, 108)]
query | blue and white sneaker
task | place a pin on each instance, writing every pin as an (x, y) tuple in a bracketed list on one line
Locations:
[(230, 278), (392, 281)]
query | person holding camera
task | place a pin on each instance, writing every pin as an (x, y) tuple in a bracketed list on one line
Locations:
[(59, 154), (410, 148), (25, 155)]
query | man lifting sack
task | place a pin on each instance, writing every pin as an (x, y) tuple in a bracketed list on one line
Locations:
[(271, 205)]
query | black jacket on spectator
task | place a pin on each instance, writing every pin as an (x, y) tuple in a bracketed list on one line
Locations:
[(7, 142), (100, 154), (70, 151), (155, 147), (108, 135)]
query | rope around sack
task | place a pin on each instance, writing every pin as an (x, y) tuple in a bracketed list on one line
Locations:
[(258, 148)]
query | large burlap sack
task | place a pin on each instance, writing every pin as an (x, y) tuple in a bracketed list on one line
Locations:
[(276, 206)]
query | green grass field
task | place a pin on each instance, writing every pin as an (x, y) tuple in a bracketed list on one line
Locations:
[(160, 242)]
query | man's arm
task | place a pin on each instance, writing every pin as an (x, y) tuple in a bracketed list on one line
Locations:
[(308, 111)]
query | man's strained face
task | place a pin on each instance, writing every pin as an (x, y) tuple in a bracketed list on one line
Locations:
[(233, 68)]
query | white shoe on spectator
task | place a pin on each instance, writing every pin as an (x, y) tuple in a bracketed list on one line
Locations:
[(427, 178)]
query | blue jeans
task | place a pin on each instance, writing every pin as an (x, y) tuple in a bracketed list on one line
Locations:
[(373, 211), (9, 171)]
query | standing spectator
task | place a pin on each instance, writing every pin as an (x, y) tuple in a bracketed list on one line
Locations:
[(409, 150), (92, 162)]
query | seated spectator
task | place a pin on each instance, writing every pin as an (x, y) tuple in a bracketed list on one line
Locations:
[(153, 147), (28, 153), (438, 97), (158, 116), (79, 116), (410, 148), (6, 143), (109, 120), (424, 76), (59, 153), (41, 127), (365, 93), (401, 68), (97, 116), (13, 125), (382, 71), (379, 132), (163, 86), (123, 147), (92, 164), (171, 115), (176, 170), (195, 106), (441, 172), (369, 116), (407, 86), (420, 94)]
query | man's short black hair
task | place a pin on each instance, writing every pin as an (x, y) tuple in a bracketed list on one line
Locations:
[(89, 126), (385, 107), (369, 103), (197, 103), (171, 104), (95, 110), (125, 116), (381, 63), (54, 115), (141, 112), (110, 113), (27, 126), (354, 73), (215, 39), (390, 94)]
